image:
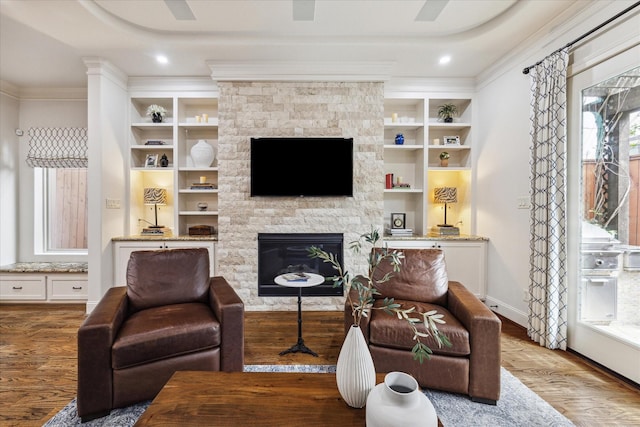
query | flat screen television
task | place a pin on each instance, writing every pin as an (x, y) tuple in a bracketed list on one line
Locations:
[(302, 167)]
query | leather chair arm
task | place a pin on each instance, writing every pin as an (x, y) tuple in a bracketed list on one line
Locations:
[(484, 333), (229, 309), (95, 338)]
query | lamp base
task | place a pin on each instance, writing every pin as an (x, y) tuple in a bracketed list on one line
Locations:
[(446, 230)]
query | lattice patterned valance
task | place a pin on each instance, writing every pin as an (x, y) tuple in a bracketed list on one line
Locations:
[(57, 148)]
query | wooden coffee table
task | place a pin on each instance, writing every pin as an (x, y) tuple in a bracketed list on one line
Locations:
[(251, 399)]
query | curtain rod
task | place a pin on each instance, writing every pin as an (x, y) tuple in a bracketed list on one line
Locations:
[(588, 33)]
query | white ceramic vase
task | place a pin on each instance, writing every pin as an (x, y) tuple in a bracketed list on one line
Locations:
[(355, 373), (202, 154), (398, 402)]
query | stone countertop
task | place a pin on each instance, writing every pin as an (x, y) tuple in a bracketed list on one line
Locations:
[(141, 238), (435, 236), (45, 267)]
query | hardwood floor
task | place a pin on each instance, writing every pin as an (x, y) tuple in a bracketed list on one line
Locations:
[(38, 363)]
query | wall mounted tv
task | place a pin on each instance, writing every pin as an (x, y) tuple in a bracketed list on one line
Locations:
[(302, 167)]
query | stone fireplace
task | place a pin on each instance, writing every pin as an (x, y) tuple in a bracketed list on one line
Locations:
[(280, 253), (300, 109)]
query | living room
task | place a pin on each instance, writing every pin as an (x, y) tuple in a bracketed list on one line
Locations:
[(501, 126)]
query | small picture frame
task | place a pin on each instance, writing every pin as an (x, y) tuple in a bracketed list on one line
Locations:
[(151, 161), (451, 140), (398, 220)]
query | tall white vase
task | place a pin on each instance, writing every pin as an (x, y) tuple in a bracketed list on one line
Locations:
[(202, 154), (355, 373)]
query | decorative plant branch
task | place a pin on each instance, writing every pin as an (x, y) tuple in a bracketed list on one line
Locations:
[(365, 286)]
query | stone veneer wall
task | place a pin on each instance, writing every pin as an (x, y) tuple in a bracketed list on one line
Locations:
[(262, 109)]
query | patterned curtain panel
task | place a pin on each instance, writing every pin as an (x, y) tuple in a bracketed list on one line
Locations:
[(57, 148), (547, 322)]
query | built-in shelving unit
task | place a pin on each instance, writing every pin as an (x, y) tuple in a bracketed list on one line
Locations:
[(417, 161), (188, 120)]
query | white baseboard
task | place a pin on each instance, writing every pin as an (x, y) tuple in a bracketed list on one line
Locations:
[(507, 311), (90, 306)]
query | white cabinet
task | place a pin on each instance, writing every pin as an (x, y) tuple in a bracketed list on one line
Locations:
[(415, 164), (61, 287), (23, 287), (466, 260), (43, 287), (122, 251)]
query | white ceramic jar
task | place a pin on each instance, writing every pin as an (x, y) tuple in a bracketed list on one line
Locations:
[(399, 402), (202, 154)]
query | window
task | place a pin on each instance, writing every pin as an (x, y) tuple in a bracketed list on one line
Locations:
[(61, 210)]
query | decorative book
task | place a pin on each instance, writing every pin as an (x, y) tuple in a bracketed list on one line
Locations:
[(295, 277)]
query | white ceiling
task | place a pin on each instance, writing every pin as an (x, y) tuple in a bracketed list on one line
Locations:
[(42, 42)]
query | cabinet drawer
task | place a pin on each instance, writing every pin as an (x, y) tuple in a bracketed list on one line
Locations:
[(68, 289), (23, 289)]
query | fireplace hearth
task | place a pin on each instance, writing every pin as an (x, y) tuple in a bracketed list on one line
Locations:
[(280, 253)]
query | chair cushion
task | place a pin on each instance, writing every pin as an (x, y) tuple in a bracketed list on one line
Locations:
[(164, 277), (163, 332), (422, 277), (386, 330)]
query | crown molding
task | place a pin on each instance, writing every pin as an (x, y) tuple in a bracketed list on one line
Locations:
[(437, 86), (300, 71), (102, 67), (169, 85), (43, 93)]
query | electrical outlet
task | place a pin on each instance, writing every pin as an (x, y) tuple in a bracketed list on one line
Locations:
[(523, 202), (113, 203), (525, 295)]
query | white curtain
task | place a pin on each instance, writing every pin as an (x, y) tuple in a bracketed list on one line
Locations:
[(547, 321)]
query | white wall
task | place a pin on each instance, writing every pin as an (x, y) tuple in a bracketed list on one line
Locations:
[(503, 162), (107, 120), (9, 160)]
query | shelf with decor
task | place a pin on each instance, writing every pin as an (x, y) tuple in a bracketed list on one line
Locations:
[(187, 120), (425, 135)]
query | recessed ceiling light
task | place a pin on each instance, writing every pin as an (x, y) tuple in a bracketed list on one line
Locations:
[(445, 60), (162, 59)]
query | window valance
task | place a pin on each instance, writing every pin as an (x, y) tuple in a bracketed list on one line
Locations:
[(57, 148)]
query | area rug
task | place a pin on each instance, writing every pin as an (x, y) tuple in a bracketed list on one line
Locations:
[(518, 406)]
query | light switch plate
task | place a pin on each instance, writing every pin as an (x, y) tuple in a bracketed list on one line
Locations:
[(113, 204), (523, 202)]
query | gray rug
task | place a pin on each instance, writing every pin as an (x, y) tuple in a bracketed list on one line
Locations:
[(518, 406)]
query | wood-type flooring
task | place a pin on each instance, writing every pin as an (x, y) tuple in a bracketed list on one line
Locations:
[(38, 363)]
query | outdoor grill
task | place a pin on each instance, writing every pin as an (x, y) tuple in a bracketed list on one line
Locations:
[(600, 261)]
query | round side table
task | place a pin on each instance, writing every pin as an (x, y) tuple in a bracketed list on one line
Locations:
[(312, 280)]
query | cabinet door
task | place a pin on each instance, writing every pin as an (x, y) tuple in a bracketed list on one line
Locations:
[(198, 244), (23, 288), (122, 252), (67, 287), (466, 263), (466, 260)]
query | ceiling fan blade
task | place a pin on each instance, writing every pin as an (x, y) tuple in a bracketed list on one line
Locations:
[(180, 10), (431, 10), (304, 10)]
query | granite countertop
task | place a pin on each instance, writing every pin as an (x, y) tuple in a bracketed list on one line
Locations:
[(45, 267), (435, 236), (141, 238)]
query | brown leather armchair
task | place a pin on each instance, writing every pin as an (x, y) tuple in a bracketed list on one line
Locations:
[(171, 316), (471, 365)]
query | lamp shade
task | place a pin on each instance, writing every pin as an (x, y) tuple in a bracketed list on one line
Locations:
[(155, 196), (445, 195)]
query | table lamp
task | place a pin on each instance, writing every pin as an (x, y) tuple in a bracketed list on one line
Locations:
[(445, 195), (155, 197)]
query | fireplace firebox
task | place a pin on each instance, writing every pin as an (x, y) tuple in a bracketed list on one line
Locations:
[(280, 253)]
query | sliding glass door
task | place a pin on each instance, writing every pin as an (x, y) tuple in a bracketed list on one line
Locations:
[(604, 199)]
